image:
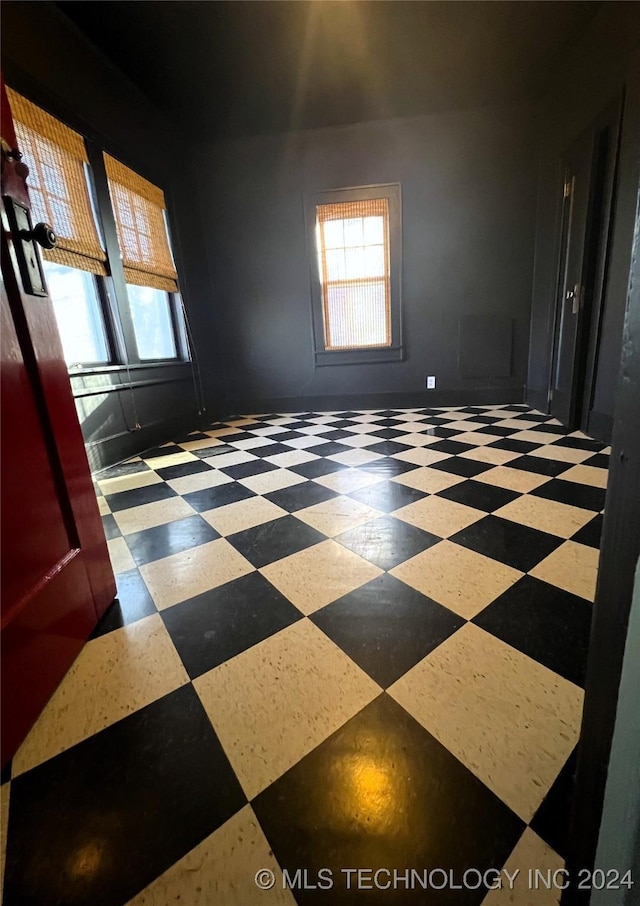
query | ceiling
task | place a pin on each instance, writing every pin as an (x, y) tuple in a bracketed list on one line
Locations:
[(251, 67)]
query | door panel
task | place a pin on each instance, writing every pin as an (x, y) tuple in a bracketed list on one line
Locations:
[(56, 575), (23, 565), (570, 287)]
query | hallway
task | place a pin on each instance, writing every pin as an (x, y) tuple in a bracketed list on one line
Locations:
[(342, 640)]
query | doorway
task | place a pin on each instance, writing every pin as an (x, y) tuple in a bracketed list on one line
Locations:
[(589, 169)]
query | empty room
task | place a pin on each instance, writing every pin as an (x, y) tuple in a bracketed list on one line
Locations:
[(320, 452)]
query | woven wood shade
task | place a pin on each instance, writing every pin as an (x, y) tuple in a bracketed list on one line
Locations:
[(353, 246), (58, 189), (139, 206)]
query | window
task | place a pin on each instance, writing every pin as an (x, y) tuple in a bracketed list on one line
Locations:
[(356, 279), (76, 304), (151, 314), (139, 209), (115, 308), (60, 195)]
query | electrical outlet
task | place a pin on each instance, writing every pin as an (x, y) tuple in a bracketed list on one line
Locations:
[(431, 382)]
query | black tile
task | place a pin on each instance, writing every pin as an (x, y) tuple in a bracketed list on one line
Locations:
[(288, 435), (598, 461), (215, 450), (546, 623), (166, 450), (539, 465), (381, 792), (297, 423), (475, 409), (580, 443), (384, 423), (386, 627), (337, 434), (139, 496), (509, 542), (551, 821), (388, 447), (170, 538), (349, 414), (274, 540), (269, 450), (480, 495), (182, 469), (300, 496), (515, 446), (245, 469), (233, 438), (484, 420), (544, 428), (188, 438), (133, 602), (100, 821), (388, 466), (387, 541), (516, 407), (450, 446), (330, 448), (110, 527), (457, 465), (387, 495), (387, 433), (387, 413), (221, 495), (215, 626), (536, 417), (444, 433), (591, 533), (573, 493), (123, 468), (500, 432), (343, 423), (316, 468)]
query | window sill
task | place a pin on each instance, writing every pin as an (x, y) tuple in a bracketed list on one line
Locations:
[(79, 370), (359, 356)]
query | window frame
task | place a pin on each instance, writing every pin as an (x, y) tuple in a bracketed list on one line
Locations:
[(372, 354)]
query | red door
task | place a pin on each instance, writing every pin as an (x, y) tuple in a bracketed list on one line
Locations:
[(56, 575)]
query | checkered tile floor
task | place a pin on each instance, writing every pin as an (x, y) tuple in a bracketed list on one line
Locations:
[(344, 639)]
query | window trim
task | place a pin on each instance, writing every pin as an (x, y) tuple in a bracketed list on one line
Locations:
[(372, 354)]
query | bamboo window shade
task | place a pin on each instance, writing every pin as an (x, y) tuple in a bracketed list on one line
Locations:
[(139, 207), (353, 251), (57, 183)]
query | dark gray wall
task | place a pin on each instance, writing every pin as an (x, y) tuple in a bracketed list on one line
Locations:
[(49, 60), (601, 64), (468, 190)]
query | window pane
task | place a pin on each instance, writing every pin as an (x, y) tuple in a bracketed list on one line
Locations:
[(78, 313), (335, 265), (151, 322), (374, 261), (355, 263), (373, 230), (357, 316), (353, 231), (333, 234)]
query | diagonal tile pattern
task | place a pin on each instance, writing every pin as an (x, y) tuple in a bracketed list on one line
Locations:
[(352, 638)]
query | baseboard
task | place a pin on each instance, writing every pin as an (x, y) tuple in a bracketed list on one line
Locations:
[(537, 399), (600, 426), (423, 399)]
